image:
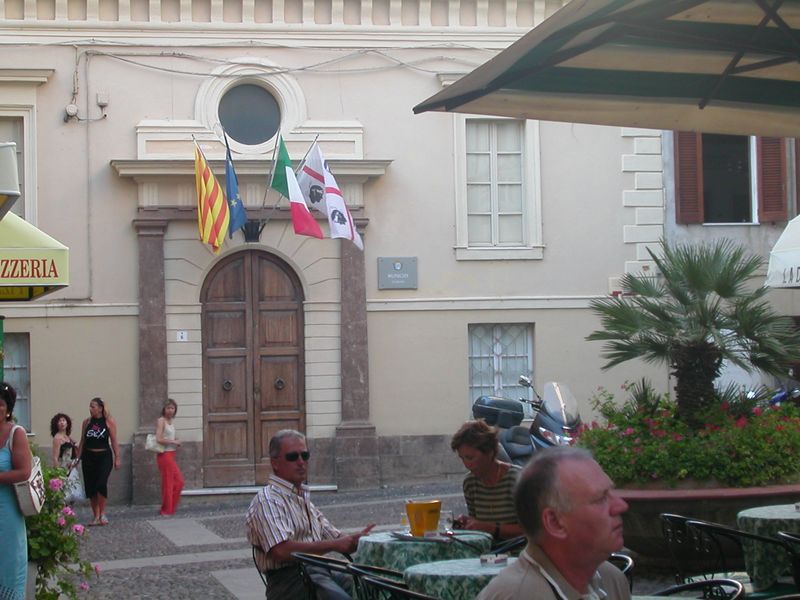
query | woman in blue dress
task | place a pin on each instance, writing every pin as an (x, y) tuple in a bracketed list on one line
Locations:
[(15, 466)]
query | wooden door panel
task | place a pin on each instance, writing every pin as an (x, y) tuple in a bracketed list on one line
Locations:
[(274, 283), (230, 283), (253, 338), (277, 328), (229, 440), (278, 378), (226, 388), (226, 329)]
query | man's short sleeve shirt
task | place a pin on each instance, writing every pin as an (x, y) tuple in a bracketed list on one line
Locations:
[(281, 512)]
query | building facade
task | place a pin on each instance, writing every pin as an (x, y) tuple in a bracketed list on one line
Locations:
[(485, 239)]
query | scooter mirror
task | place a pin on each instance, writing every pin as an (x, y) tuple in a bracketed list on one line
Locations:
[(524, 380)]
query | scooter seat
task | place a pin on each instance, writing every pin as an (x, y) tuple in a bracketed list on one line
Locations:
[(517, 443)]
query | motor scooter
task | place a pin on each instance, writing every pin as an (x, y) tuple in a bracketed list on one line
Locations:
[(555, 420)]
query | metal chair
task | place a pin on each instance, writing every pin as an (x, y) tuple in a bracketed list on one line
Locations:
[(359, 572), (389, 591), (515, 544), (326, 563), (721, 534), (625, 564), (789, 536), (694, 556), (719, 589)]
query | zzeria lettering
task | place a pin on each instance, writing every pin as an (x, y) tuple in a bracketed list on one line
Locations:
[(26, 268)]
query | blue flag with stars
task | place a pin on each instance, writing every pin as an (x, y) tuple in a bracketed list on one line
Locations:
[(238, 215)]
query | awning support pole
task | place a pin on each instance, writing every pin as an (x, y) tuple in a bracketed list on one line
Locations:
[(2, 350)]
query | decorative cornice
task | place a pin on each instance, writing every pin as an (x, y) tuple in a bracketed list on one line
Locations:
[(163, 169), (31, 76)]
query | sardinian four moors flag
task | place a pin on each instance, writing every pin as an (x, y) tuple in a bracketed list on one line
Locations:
[(321, 191), (212, 208)]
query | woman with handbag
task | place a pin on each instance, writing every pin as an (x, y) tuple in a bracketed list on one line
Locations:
[(98, 439), (15, 466), (171, 477), (65, 455)]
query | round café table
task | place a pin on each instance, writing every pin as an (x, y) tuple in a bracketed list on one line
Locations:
[(460, 579), (764, 564), (385, 550)]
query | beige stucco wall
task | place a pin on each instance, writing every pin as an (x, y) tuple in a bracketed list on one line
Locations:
[(419, 379), (72, 360), (600, 192)]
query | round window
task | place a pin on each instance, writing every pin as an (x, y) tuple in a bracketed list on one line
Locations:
[(249, 114)]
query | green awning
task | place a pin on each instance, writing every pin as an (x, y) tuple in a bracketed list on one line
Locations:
[(32, 263), (724, 66)]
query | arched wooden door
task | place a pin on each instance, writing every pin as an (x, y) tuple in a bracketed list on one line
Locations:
[(253, 370)]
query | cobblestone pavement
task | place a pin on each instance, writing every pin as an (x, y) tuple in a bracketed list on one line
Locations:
[(202, 552)]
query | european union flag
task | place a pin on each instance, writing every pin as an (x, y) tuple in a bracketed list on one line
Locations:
[(238, 215)]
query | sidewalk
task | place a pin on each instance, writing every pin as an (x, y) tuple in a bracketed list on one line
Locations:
[(203, 552)]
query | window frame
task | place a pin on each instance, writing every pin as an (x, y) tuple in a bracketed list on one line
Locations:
[(532, 247), (28, 189), (497, 360), (23, 389), (770, 167)]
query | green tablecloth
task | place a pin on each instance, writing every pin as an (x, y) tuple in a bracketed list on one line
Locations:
[(383, 550), (452, 579), (765, 563)]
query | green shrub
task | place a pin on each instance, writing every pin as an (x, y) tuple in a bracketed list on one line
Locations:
[(645, 444), (54, 537)]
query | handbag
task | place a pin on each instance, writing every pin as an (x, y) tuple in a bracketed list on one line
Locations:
[(152, 445), (30, 493), (74, 486)]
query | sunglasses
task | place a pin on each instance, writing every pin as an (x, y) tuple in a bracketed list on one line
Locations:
[(293, 456)]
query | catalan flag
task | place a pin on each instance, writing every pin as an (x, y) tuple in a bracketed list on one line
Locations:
[(212, 208)]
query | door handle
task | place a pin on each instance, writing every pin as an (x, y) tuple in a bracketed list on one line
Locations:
[(227, 385), (279, 383)]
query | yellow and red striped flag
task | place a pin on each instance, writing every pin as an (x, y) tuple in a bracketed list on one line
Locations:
[(212, 209)]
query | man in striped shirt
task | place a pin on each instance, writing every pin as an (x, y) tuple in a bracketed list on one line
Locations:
[(282, 519)]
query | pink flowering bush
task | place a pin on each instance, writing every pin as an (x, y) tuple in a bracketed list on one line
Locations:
[(54, 538), (743, 442)]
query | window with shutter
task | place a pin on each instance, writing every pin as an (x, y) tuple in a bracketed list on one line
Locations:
[(729, 179)]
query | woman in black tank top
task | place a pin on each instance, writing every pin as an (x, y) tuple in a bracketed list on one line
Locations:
[(98, 451)]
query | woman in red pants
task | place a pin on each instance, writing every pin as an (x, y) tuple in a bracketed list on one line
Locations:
[(171, 477)]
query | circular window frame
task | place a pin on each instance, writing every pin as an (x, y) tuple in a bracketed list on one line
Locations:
[(284, 88)]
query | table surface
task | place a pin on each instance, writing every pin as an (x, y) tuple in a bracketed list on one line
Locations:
[(452, 579), (765, 563), (383, 550)]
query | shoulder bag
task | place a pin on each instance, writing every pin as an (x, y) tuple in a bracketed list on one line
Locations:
[(151, 444), (30, 493)]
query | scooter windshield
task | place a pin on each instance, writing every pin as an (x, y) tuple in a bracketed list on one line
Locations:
[(559, 403)]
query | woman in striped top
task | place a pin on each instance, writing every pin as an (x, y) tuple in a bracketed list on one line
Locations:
[(489, 485)]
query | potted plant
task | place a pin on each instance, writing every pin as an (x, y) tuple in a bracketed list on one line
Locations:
[(710, 446), (54, 538)]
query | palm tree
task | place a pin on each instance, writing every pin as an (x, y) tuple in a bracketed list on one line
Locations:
[(700, 310)]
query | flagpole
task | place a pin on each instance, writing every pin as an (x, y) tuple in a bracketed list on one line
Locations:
[(272, 178)]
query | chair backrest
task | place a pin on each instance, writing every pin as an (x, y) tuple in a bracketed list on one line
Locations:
[(625, 564), (722, 534), (328, 563), (515, 545), (694, 554), (720, 589), (359, 572), (391, 591), (789, 536)]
